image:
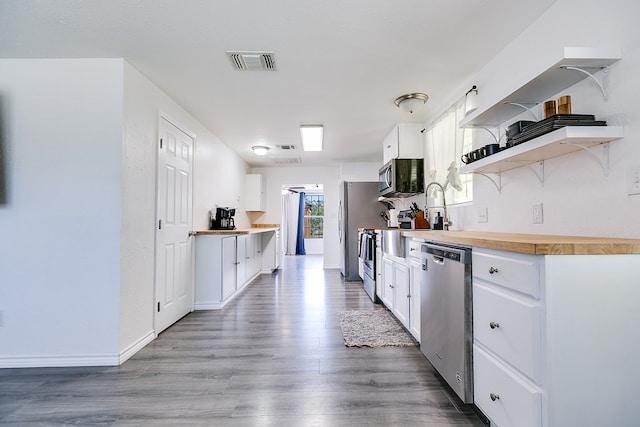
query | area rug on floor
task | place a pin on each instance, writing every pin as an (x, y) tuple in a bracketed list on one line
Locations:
[(373, 328)]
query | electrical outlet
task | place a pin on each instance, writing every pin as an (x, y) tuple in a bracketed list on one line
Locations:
[(482, 214), (537, 213), (633, 180)]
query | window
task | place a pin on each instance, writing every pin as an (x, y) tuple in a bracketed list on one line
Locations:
[(446, 143), (313, 216)]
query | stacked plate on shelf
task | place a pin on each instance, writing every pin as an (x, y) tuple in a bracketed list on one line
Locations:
[(536, 129)]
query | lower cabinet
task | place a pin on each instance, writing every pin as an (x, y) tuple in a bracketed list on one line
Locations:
[(224, 265), (271, 250), (397, 293), (414, 302), (229, 264), (555, 342)]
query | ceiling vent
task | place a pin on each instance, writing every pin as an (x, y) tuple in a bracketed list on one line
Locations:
[(253, 61), (287, 160), (286, 147)]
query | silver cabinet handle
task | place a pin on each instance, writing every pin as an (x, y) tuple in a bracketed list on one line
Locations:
[(494, 325), (492, 270), (494, 396)]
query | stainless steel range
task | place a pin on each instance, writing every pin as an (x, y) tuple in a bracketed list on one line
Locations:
[(368, 256)]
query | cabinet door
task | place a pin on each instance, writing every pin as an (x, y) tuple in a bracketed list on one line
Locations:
[(387, 283), (379, 285), (410, 141), (390, 146), (228, 267), (241, 261), (414, 301), (254, 254), (254, 192), (401, 278)]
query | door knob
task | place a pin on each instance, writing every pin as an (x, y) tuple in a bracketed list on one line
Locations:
[(492, 270), (494, 325), (494, 396)]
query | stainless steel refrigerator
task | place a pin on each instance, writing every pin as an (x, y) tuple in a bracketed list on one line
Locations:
[(359, 207)]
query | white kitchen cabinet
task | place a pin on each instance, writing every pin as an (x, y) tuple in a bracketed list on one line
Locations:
[(229, 267), (255, 199), (215, 270), (241, 261), (545, 354), (271, 250), (405, 141), (414, 301), (396, 296), (224, 265), (386, 294)]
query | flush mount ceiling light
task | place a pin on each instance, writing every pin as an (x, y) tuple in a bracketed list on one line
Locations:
[(411, 102), (311, 137), (260, 150)]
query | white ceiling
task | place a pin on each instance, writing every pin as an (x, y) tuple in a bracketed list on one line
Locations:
[(341, 63)]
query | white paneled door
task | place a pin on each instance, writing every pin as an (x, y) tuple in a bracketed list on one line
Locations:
[(173, 287)]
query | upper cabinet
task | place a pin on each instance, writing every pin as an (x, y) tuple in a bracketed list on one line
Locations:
[(255, 193), (405, 141)]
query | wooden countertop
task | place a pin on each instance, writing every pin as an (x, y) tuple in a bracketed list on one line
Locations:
[(537, 244), (262, 228)]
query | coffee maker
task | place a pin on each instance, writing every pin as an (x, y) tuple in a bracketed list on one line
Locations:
[(223, 219)]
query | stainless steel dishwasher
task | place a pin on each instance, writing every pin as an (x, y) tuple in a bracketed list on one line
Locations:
[(445, 314)]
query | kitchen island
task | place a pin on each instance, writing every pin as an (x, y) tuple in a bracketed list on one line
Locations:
[(555, 338)]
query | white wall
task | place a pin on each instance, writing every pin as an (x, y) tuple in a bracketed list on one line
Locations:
[(577, 198), (214, 163), (360, 171), (61, 220), (77, 214), (276, 177)]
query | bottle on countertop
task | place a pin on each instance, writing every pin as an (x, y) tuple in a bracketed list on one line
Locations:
[(438, 223)]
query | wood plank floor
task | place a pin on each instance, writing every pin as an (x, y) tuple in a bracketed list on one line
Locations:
[(273, 357)]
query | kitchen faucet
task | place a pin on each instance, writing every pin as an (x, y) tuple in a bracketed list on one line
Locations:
[(446, 222)]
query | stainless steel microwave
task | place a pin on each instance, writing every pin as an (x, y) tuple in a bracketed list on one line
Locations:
[(401, 178)]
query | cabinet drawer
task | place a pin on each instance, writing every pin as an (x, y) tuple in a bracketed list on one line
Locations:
[(516, 271), (517, 403), (510, 327)]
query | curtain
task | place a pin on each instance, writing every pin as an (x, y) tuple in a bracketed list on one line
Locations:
[(290, 207), (446, 143), (300, 235)]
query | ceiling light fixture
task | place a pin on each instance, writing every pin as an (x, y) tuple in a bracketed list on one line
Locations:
[(260, 150), (411, 102), (311, 137)]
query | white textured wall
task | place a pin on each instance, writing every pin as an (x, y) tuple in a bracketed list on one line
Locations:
[(60, 223), (218, 177), (577, 198)]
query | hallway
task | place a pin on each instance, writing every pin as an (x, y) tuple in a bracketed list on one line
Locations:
[(273, 357)]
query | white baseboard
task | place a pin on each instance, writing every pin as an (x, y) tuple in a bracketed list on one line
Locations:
[(136, 347), (214, 305), (59, 361)]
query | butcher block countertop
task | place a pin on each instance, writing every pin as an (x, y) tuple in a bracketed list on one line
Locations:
[(536, 244), (256, 228)]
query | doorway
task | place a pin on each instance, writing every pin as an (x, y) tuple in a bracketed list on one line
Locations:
[(304, 221), (173, 284)]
